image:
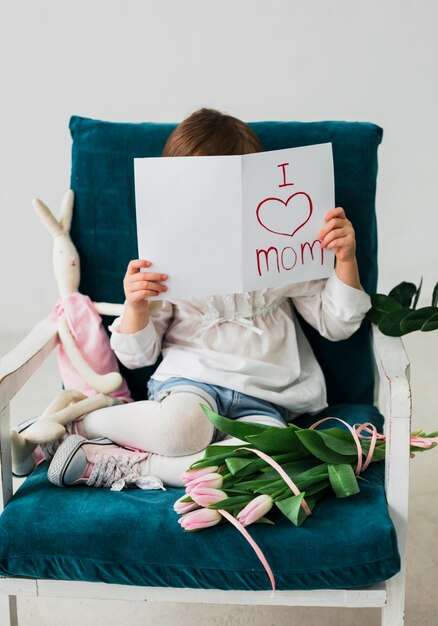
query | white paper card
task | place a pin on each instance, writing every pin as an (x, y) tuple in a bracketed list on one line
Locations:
[(230, 224)]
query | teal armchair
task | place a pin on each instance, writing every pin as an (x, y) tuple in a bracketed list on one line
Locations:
[(350, 553)]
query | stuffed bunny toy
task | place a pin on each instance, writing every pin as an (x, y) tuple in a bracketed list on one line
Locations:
[(88, 366)]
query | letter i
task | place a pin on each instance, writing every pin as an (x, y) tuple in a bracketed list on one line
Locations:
[(284, 184)]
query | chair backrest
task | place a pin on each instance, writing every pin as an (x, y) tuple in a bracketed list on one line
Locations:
[(104, 224)]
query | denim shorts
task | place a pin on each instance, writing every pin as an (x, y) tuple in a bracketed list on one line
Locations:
[(231, 404)]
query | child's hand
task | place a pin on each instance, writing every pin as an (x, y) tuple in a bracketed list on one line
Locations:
[(338, 233), (140, 285)]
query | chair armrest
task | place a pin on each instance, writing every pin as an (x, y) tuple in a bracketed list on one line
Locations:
[(18, 365), (16, 368), (393, 366)]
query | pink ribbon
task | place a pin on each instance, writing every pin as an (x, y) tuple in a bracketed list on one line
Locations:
[(252, 543)]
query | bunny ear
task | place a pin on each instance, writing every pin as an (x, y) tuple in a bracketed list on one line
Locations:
[(67, 210), (46, 216)]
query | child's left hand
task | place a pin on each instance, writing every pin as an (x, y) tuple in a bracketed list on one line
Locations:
[(338, 233)]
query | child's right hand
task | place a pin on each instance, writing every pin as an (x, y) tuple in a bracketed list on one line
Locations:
[(140, 285)]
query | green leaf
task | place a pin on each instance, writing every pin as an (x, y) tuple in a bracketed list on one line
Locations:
[(235, 428), (431, 324), (235, 501), (235, 490), (417, 294), (382, 306), (317, 487), (307, 476), (435, 295), (303, 473), (236, 465), (390, 323), (379, 450), (217, 459), (308, 480), (339, 440), (313, 441), (259, 485), (292, 509), (292, 468), (215, 451), (417, 319), (343, 480), (403, 293), (374, 316), (278, 440), (256, 464), (271, 488), (383, 303)]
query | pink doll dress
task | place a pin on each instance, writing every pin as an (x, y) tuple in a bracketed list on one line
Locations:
[(86, 327)]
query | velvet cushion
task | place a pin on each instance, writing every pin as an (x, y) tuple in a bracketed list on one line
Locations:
[(104, 225), (132, 537)]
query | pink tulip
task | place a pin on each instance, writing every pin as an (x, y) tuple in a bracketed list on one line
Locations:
[(213, 481), (184, 507), (254, 510), (203, 518), (206, 495), (190, 475), (423, 442)]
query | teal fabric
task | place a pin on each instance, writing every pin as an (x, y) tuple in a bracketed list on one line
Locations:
[(104, 228), (132, 537)]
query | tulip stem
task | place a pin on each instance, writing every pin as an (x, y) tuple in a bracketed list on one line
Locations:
[(279, 492)]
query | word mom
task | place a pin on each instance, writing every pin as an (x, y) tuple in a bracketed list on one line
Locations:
[(287, 258)]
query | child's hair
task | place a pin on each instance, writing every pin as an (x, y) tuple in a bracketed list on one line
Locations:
[(207, 132)]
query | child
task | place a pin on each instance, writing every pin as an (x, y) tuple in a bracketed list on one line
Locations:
[(243, 355)]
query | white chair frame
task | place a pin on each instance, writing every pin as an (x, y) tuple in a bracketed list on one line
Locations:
[(393, 368)]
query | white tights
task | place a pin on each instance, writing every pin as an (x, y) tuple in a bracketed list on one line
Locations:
[(175, 431)]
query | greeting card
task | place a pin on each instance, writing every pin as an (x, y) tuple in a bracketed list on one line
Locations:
[(232, 224)]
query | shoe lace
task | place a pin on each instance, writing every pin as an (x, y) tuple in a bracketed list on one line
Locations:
[(120, 471)]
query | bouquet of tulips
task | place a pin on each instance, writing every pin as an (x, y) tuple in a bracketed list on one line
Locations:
[(290, 468), (294, 467)]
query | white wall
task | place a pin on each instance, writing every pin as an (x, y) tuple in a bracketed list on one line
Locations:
[(143, 60)]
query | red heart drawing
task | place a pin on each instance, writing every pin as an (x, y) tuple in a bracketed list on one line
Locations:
[(281, 219)]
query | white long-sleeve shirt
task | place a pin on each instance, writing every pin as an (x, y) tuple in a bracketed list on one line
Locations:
[(249, 342)]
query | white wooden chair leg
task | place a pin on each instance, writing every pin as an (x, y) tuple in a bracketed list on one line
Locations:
[(8, 610), (393, 613)]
